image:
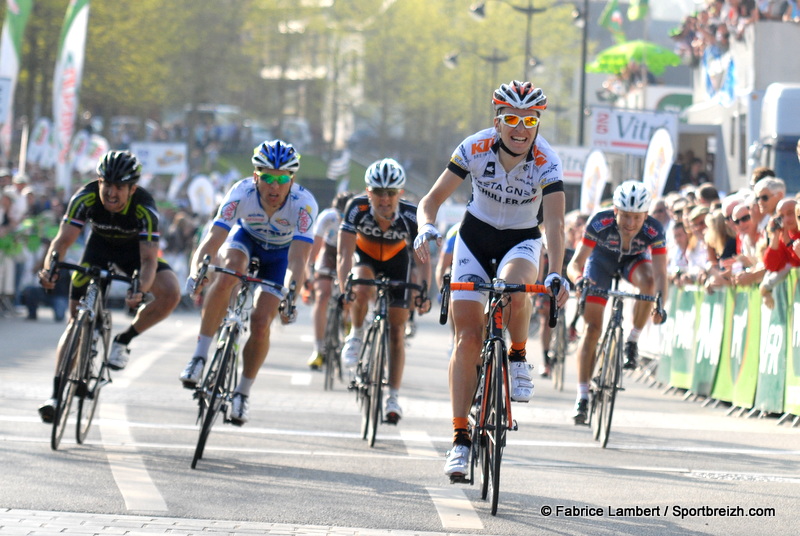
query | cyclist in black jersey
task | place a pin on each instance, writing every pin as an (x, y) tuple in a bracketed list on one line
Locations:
[(124, 230)]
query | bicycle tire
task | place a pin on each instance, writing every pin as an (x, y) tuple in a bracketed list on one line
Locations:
[(362, 383), (377, 375), (610, 379), (597, 387), (559, 346), (332, 347), (219, 391), (67, 380), (92, 380), (498, 435), (483, 412)]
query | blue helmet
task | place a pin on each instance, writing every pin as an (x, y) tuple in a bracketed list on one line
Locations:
[(276, 154)]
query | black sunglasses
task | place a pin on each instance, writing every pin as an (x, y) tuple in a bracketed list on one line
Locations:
[(741, 220)]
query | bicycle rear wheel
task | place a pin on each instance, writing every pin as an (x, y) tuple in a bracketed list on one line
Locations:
[(94, 377), (497, 438), (68, 377), (611, 376), (377, 376), (216, 388)]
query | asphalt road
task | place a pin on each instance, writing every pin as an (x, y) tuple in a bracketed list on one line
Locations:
[(671, 466)]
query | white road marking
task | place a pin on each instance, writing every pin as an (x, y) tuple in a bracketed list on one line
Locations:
[(133, 480), (300, 378), (454, 509), (418, 443)]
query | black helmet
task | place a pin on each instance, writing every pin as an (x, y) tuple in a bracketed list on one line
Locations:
[(119, 167)]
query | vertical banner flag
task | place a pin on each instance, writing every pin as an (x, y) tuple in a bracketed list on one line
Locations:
[(66, 86), (595, 177), (637, 9), (658, 161), (17, 12), (611, 20)]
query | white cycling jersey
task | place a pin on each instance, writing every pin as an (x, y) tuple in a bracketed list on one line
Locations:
[(506, 200), (293, 221), (327, 226)]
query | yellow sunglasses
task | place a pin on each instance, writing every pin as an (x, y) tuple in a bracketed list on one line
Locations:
[(530, 121)]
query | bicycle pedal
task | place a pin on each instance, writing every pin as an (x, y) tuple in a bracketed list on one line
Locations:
[(459, 479), (514, 426), (620, 388)]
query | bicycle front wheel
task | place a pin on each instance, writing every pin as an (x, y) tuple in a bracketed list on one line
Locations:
[(333, 347), (559, 351), (611, 375), (365, 360), (94, 377), (497, 439), (377, 376), (216, 388), (597, 385), (68, 377)]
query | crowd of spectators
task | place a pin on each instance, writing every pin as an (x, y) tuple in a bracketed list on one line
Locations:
[(721, 20), (747, 237)]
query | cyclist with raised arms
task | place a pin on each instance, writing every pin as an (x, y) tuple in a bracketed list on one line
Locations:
[(375, 238), (267, 216), (517, 184), (124, 230), (326, 235), (626, 239)]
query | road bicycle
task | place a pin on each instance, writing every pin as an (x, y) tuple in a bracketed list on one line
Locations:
[(334, 335), (83, 365), (215, 393), (371, 375), (559, 347), (607, 375), (490, 417)]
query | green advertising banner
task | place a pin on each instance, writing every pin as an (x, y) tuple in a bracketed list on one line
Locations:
[(709, 343), (772, 354), (791, 400), (683, 338), (723, 383), (745, 346), (667, 330)]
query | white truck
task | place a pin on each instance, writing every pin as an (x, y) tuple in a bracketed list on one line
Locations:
[(776, 146)]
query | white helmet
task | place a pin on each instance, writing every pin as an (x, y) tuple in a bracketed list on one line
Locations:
[(632, 196), (386, 173), (520, 95)]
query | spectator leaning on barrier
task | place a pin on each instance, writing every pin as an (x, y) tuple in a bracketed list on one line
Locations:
[(769, 191), (697, 253), (678, 262), (721, 243), (782, 253), (747, 237)]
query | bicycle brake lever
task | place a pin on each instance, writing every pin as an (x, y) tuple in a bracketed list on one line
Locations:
[(555, 287)]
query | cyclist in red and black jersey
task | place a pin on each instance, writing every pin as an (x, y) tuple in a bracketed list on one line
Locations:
[(124, 230), (375, 238)]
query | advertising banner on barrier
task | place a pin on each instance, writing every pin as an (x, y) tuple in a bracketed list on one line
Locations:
[(683, 340), (791, 400), (723, 381), (772, 354), (667, 330), (745, 346), (712, 315)]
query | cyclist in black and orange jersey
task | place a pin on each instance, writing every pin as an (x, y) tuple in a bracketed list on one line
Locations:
[(124, 223), (375, 238)]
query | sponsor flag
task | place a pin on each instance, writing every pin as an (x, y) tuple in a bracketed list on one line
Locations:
[(658, 161), (595, 177), (66, 85), (611, 20), (17, 13)]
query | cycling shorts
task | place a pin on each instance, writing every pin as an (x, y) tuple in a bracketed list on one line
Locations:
[(397, 268), (601, 267), (478, 243), (273, 262), (326, 263), (100, 252)]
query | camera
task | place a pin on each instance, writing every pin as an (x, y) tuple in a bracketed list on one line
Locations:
[(777, 224)]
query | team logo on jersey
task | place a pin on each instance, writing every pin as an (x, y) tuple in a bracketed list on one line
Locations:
[(539, 157), (283, 222), (229, 210), (602, 223), (489, 171), (650, 231), (481, 146), (304, 220)]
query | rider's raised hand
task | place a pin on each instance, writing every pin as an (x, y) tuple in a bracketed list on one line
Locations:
[(427, 233)]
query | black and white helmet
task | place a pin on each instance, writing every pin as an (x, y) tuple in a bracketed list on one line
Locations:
[(119, 167), (386, 173), (520, 95), (632, 196)]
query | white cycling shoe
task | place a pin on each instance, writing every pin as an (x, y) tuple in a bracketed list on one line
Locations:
[(521, 381)]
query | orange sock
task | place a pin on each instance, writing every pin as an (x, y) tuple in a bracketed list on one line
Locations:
[(517, 351), (460, 423)]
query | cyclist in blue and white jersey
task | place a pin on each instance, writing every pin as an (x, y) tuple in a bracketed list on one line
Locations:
[(627, 239), (517, 183), (266, 216)]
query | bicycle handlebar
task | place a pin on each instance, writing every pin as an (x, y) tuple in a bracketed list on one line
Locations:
[(500, 286), (245, 278), (92, 271)]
